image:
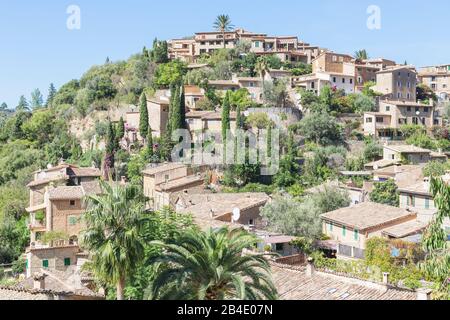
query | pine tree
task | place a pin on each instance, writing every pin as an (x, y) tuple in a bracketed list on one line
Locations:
[(143, 122), (120, 129), (51, 96), (23, 104), (36, 99), (3, 106)]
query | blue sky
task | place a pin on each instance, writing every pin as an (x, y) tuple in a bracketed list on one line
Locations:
[(36, 48)]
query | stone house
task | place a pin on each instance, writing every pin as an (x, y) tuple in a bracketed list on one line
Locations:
[(438, 79), (397, 83), (406, 153), (351, 227), (387, 121), (418, 197), (56, 196)]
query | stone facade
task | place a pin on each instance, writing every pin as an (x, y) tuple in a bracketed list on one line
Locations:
[(55, 258)]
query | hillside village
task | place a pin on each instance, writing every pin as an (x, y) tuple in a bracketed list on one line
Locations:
[(91, 199)]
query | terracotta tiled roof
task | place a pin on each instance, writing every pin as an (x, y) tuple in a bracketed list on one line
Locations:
[(405, 148), (367, 215), (66, 193), (179, 183), (84, 172), (163, 168), (293, 284), (405, 229)]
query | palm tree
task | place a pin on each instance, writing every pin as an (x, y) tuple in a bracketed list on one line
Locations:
[(113, 235), (223, 24), (262, 67), (210, 266), (361, 55)]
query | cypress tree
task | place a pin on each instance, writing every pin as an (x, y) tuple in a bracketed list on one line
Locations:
[(121, 129), (182, 108), (269, 141), (149, 150), (176, 122), (143, 122), (239, 118), (226, 115), (110, 139)]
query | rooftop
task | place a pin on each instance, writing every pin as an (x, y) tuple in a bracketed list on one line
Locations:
[(163, 168), (294, 284), (405, 148), (179, 183), (66, 193), (405, 229), (216, 205), (367, 215)]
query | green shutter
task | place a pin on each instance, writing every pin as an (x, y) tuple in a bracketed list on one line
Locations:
[(45, 263), (66, 262), (331, 226), (344, 231), (356, 234), (427, 203)]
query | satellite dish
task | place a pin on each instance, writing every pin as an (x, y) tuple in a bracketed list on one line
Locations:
[(236, 214)]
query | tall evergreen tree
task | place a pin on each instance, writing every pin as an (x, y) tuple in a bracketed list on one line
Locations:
[(174, 108), (178, 110), (269, 140), (143, 122), (3, 106), (37, 99), (120, 129), (149, 152), (51, 95), (111, 141), (239, 118), (23, 104), (226, 108)]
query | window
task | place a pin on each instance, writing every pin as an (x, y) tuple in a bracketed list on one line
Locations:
[(359, 80), (356, 235), (426, 109), (334, 58), (256, 44), (380, 120), (408, 109), (388, 108), (73, 220), (312, 85), (344, 231), (251, 222), (351, 81), (368, 120), (331, 227), (399, 84), (72, 203), (343, 80), (399, 95), (427, 203), (334, 79), (279, 247), (408, 95), (66, 262), (44, 263)]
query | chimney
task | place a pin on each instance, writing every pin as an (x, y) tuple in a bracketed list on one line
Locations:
[(424, 294), (211, 213), (310, 269), (426, 184), (385, 278), (39, 281)]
